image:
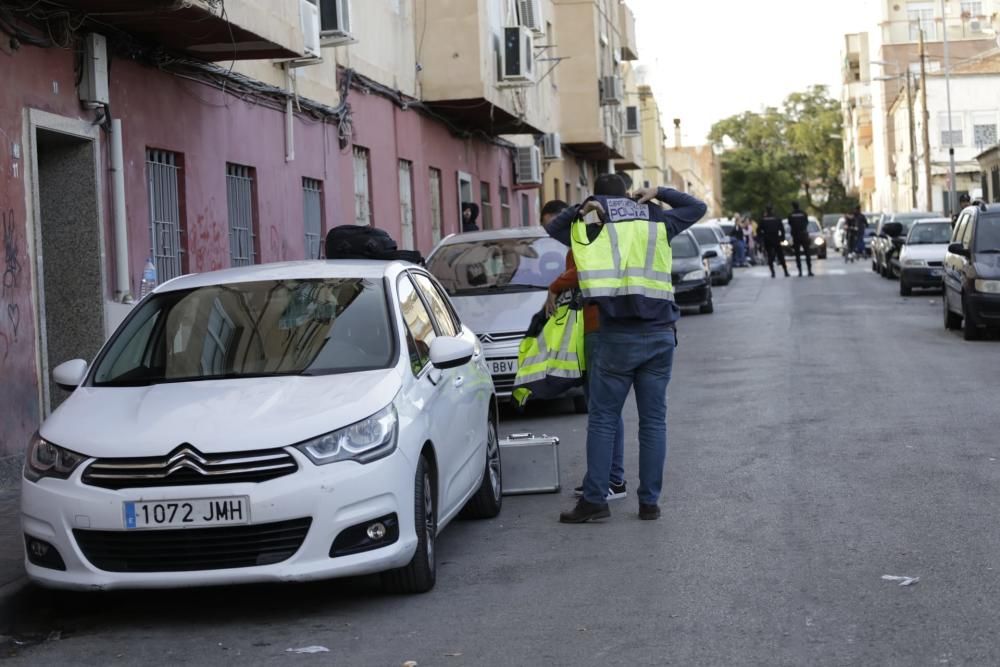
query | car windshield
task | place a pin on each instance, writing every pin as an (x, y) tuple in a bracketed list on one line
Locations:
[(930, 233), (813, 227), (988, 234), (253, 329), (683, 247), (505, 264), (705, 236)]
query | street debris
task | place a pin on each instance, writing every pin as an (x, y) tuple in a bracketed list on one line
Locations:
[(903, 581), (410, 663), (308, 649), (453, 655)]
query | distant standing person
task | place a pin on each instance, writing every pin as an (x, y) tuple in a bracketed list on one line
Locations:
[(860, 225), (470, 213), (772, 233), (798, 223)]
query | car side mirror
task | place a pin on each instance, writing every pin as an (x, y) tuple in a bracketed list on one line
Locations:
[(898, 241), (710, 254), (958, 249), (450, 352), (69, 374)]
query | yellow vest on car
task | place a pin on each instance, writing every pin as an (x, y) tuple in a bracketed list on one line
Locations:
[(551, 357), (624, 265)]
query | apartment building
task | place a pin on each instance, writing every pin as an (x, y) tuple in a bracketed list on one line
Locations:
[(856, 102), (202, 135), (894, 47)]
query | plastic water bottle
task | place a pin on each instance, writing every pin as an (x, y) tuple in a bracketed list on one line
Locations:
[(148, 283)]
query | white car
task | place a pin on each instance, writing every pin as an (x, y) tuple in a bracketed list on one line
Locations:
[(280, 422), (921, 258)]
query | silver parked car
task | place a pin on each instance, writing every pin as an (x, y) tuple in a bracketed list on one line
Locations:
[(498, 280), (711, 237)]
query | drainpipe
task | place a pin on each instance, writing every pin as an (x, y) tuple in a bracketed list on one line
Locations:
[(289, 116), (123, 291)]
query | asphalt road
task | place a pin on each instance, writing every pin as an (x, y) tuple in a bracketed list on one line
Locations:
[(824, 432)]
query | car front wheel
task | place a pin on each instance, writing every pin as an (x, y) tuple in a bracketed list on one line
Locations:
[(904, 289), (421, 573), (488, 500), (970, 330)]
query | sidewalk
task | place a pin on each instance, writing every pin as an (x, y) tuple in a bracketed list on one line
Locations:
[(11, 544)]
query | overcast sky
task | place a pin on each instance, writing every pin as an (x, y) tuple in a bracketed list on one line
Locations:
[(710, 59)]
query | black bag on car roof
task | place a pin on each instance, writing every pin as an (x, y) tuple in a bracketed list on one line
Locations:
[(364, 242)]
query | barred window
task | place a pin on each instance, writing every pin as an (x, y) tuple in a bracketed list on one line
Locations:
[(312, 207), (436, 206), (486, 214), (504, 206), (242, 215), (985, 135), (166, 228), (406, 204), (362, 187)]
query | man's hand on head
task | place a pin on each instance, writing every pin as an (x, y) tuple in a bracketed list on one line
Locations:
[(645, 195), (592, 207)]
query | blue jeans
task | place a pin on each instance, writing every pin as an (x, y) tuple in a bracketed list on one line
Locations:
[(626, 360), (591, 345), (741, 252)]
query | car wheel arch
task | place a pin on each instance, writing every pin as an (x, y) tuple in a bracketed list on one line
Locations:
[(430, 455)]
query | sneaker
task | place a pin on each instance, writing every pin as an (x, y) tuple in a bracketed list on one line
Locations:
[(649, 512), (615, 492), (584, 512)]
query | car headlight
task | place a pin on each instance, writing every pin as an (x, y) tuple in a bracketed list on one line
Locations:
[(914, 262), (988, 286), (784, 243), (366, 441), (820, 241), (693, 275), (47, 460)]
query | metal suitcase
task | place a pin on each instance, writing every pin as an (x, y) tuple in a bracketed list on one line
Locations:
[(530, 464)]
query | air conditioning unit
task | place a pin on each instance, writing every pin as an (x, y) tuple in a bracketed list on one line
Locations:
[(531, 15), (518, 56), (632, 122), (612, 90), (975, 25), (309, 18), (528, 165), (552, 146), (335, 23)]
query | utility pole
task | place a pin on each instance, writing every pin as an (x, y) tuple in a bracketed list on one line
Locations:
[(914, 181), (927, 119), (952, 201)]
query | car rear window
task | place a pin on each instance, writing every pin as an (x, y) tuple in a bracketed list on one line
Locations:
[(498, 265), (683, 247), (252, 329), (705, 236)]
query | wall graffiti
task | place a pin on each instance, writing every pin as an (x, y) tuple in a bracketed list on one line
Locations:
[(11, 270)]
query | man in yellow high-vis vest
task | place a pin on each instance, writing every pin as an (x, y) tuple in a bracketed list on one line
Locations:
[(624, 266)]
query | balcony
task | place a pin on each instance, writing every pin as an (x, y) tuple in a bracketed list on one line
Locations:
[(207, 29), (626, 28), (899, 30), (591, 101), (477, 73), (865, 134)]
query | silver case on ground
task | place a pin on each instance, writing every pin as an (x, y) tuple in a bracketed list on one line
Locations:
[(530, 464)]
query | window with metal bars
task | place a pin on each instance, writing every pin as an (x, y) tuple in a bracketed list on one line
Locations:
[(166, 227), (525, 211), (362, 187), (436, 204), (486, 214), (504, 206), (312, 209), (243, 235), (406, 204)]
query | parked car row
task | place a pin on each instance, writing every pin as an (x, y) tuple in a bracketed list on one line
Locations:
[(925, 251)]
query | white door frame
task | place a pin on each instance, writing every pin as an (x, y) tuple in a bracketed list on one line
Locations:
[(34, 120)]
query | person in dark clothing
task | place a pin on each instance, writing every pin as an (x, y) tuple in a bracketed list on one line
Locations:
[(858, 223), (772, 233), (798, 223), (470, 213)]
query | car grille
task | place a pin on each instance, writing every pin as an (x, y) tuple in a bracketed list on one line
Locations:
[(190, 549), (501, 337), (935, 264), (186, 466), (504, 384)]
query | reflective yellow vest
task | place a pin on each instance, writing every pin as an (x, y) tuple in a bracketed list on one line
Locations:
[(551, 361), (629, 258)]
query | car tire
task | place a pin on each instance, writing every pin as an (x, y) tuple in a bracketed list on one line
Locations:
[(874, 267), (421, 572), (951, 320), (904, 289), (580, 406), (970, 330), (821, 255), (488, 499), (709, 307)]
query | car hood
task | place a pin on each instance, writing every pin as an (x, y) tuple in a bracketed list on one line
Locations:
[(933, 252), (682, 265), (499, 313), (216, 415)]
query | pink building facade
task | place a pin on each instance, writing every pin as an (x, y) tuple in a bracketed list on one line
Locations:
[(48, 198)]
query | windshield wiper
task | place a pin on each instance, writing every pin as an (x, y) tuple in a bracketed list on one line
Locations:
[(988, 251)]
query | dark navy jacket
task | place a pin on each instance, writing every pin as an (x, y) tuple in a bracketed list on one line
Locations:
[(633, 313)]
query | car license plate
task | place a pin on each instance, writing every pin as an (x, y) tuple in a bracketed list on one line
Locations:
[(503, 366), (187, 513)]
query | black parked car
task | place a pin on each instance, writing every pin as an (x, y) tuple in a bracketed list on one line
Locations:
[(972, 272), (692, 275), (888, 240)]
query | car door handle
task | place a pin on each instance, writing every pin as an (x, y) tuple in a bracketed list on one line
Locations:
[(459, 381)]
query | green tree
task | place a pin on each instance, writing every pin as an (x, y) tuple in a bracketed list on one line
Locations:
[(778, 155)]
